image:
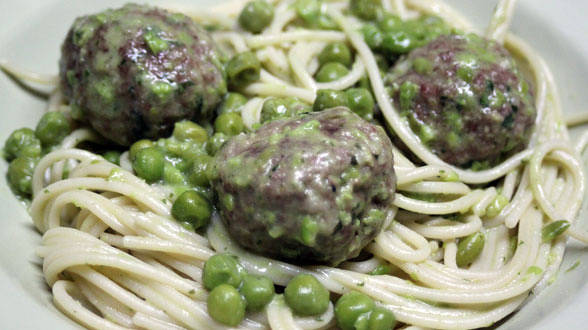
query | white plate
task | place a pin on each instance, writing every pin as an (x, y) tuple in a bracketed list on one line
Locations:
[(31, 35)]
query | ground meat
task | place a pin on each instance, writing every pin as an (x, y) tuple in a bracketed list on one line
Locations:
[(466, 100), (133, 72), (312, 189)]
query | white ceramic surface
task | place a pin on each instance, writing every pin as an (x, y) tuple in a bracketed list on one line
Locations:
[(31, 32)]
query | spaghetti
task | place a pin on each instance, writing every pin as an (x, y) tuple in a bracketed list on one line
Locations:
[(116, 259)]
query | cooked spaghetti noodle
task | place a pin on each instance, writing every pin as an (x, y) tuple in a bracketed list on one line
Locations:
[(117, 259)]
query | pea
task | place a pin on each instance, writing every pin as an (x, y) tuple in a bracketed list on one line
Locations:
[(553, 230), (496, 206), (20, 174), (200, 173), (229, 123), (220, 269), (193, 208), (361, 102), (141, 144), (52, 128), (397, 42), (256, 16), (372, 35), (226, 305), (112, 156), (308, 10), (330, 72), (306, 295), (172, 175), (22, 143), (382, 269), (233, 102), (243, 69), (365, 9), (215, 143), (381, 319), (329, 98), (350, 306), (336, 52), (389, 23), (469, 249), (186, 130), (148, 164), (258, 291)]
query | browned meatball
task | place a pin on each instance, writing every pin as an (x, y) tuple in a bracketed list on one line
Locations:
[(466, 99), (133, 72), (312, 189)]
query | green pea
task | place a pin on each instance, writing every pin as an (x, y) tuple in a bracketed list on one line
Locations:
[(226, 305), (256, 16), (172, 175), (308, 10), (112, 156), (258, 291), (329, 98), (22, 143), (361, 102), (52, 128), (397, 42), (229, 123), (20, 174), (186, 130), (553, 230), (372, 35), (335, 52), (306, 295), (496, 206), (233, 102), (200, 173), (215, 143), (331, 71), (141, 144), (193, 208), (365, 9), (222, 269), (277, 108), (243, 69), (469, 249), (350, 306), (148, 164), (382, 269), (381, 319), (390, 23)]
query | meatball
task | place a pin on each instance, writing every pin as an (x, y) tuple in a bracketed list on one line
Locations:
[(133, 72), (311, 189), (466, 100)]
